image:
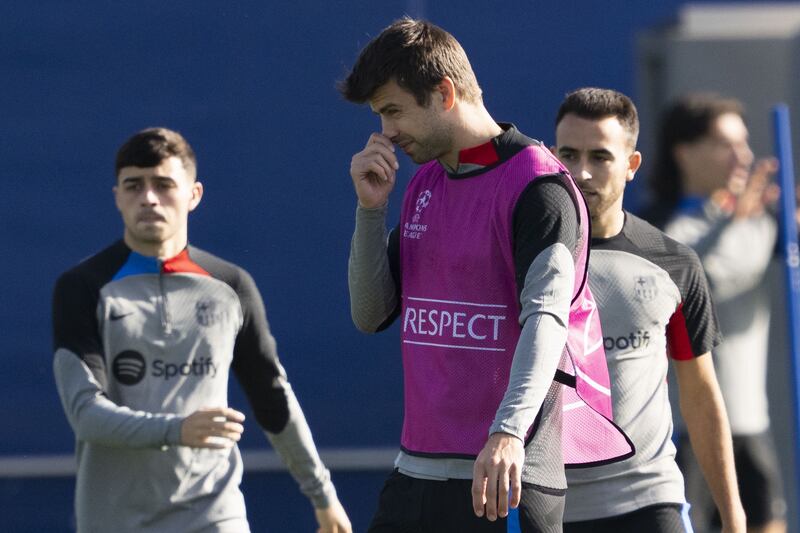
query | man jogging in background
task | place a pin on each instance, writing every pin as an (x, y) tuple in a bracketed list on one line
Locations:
[(146, 333), (654, 307), (487, 273)]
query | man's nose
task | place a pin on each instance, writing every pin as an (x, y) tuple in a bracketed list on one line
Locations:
[(149, 196), (387, 128), (581, 173)]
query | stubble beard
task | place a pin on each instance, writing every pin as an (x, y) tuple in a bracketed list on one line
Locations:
[(434, 145)]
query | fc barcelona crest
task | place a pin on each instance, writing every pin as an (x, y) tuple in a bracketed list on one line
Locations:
[(645, 288), (208, 313)]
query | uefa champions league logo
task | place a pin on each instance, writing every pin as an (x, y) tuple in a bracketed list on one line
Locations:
[(413, 229), (422, 202)]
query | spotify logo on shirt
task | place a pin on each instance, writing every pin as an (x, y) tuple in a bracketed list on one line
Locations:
[(129, 367)]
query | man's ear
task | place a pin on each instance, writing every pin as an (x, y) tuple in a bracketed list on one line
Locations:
[(115, 192), (634, 162), (446, 90), (197, 195)]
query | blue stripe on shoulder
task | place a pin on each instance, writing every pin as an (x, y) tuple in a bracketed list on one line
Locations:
[(137, 264)]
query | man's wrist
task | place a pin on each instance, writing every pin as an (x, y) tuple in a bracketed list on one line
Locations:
[(378, 207), (371, 215), (503, 429), (173, 434), (325, 497)]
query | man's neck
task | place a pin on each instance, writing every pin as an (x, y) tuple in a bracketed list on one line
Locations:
[(159, 250), (474, 127), (608, 224)]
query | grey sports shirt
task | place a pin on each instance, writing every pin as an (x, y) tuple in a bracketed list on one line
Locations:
[(654, 305), (140, 344)]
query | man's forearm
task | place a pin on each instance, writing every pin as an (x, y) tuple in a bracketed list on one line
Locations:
[(535, 362), (295, 445), (706, 420), (95, 418), (373, 296), (545, 298)]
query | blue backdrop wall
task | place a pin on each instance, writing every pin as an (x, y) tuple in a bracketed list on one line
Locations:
[(251, 85)]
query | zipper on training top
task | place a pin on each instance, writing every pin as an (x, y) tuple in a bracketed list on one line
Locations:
[(166, 321)]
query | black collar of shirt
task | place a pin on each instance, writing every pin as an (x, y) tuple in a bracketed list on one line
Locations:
[(479, 159)]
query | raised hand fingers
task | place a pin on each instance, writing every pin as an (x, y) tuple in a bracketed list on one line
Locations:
[(763, 171), (378, 168), (756, 194), (384, 154), (376, 159), (379, 138), (373, 171)]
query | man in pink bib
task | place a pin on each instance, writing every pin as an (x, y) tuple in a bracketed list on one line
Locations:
[(504, 370)]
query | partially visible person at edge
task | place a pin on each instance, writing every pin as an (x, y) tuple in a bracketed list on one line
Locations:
[(487, 268), (716, 203), (146, 333), (655, 307)]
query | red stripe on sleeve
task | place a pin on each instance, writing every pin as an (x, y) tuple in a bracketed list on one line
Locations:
[(678, 344)]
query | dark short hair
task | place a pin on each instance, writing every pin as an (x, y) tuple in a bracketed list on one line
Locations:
[(593, 103), (687, 119), (417, 55), (151, 146)]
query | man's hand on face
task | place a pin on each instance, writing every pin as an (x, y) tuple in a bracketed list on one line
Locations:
[(373, 170), (750, 198), (212, 427), (498, 466), (759, 191)]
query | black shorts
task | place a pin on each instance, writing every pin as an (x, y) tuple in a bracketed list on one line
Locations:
[(411, 505), (661, 518), (758, 473)]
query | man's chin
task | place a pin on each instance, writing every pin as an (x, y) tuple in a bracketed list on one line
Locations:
[(420, 159), (149, 235)]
